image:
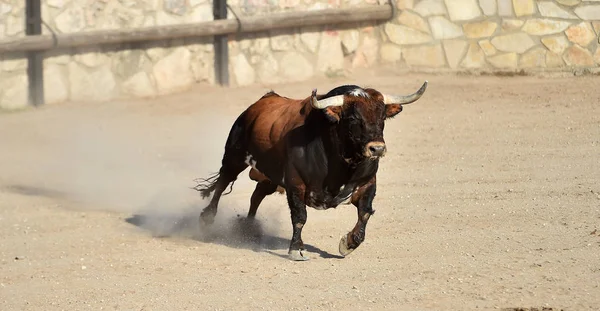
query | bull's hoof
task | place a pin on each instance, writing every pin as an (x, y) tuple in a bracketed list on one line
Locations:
[(344, 249), (296, 255), (207, 217)]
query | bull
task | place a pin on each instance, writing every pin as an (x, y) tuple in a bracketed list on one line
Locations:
[(320, 151)]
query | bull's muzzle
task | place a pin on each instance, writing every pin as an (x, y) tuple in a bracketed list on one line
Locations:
[(375, 149)]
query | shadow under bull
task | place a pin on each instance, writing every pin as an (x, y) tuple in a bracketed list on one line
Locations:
[(240, 232)]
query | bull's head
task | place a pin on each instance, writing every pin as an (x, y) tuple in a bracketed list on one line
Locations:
[(359, 115)]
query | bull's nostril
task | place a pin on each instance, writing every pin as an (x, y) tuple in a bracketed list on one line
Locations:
[(377, 150)]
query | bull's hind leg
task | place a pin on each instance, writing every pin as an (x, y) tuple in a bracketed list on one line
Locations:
[(264, 187), (218, 183), (233, 163)]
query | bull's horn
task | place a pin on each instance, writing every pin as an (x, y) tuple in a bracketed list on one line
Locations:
[(404, 99), (327, 102)]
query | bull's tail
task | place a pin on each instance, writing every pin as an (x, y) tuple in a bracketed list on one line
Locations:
[(207, 185)]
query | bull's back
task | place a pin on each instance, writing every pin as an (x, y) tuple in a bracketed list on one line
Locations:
[(270, 119)]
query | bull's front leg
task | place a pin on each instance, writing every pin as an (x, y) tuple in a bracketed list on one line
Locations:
[(363, 200), (298, 212)]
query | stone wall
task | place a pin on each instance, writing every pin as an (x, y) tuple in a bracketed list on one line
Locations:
[(428, 35), (494, 34)]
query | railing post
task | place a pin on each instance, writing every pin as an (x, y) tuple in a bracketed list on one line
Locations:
[(35, 60), (221, 48)]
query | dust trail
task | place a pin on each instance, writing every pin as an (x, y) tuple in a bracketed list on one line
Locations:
[(142, 165)]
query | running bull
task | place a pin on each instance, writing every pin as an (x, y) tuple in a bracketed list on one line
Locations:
[(321, 151)]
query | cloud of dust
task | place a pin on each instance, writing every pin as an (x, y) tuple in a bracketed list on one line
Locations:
[(145, 166)]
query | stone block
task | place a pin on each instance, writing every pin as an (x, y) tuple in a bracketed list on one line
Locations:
[(413, 21), (311, 37), (350, 39), (124, 17), (578, 56), (62, 59), (474, 58), (369, 49), (597, 56), (535, 58), (516, 42), (596, 26), (56, 87), (487, 47), (425, 56), (203, 67), (139, 85), (463, 10), (201, 13), (5, 8), (165, 19), (542, 26), (508, 60), (91, 85), (194, 3), (295, 67), (330, 56), (178, 7), (13, 64), (242, 70), (581, 33), (556, 44), (15, 92), (551, 9), (405, 4), (441, 28), (286, 4), (390, 53), (553, 60), (14, 26), (523, 7), (259, 46), (359, 60), (268, 69), (173, 73), (427, 8), (509, 25), (488, 7), (569, 2), (71, 20), (480, 29), (281, 42), (56, 3), (91, 58), (400, 34), (454, 49), (505, 8), (588, 12)]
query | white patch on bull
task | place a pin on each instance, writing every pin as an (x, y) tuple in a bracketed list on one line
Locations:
[(359, 92), (251, 161), (320, 207)]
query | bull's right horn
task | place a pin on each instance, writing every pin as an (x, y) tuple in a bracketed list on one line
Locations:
[(327, 102), (404, 99)]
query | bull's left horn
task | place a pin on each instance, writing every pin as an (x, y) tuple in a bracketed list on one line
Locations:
[(327, 102), (404, 99)]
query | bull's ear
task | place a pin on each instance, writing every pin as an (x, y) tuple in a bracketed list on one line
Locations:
[(333, 114), (391, 110)]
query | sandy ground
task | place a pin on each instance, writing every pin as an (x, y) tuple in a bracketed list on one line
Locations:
[(489, 198)]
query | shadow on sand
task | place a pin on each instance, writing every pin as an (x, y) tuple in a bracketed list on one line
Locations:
[(237, 232)]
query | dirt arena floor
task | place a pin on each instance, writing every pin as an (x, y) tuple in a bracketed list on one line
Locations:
[(489, 198)]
